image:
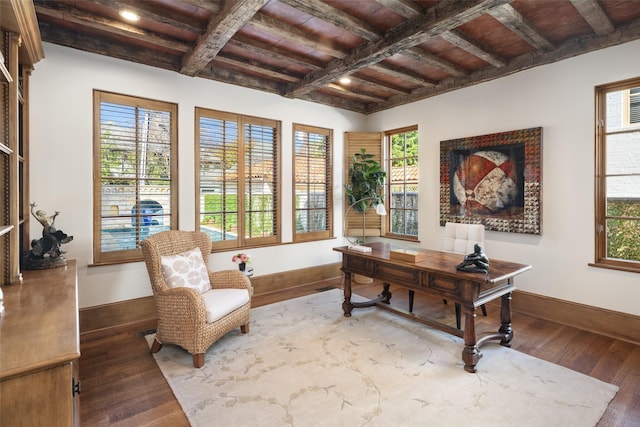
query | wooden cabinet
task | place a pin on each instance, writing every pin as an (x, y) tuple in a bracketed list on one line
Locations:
[(40, 343), (20, 48)]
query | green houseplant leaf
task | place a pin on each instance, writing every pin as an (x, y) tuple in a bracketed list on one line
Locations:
[(366, 178)]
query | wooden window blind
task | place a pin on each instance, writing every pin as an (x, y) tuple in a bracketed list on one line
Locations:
[(238, 164), (372, 143), (135, 170), (312, 185)]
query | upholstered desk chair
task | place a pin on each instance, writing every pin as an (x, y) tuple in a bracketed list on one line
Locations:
[(196, 307), (459, 238)]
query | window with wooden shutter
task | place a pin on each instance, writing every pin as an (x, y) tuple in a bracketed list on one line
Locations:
[(373, 223), (617, 177), (238, 164), (135, 170), (312, 188)]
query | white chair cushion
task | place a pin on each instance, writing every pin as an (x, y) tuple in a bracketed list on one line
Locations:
[(220, 302), (461, 238), (186, 270)]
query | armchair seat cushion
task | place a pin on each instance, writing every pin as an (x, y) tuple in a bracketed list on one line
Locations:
[(220, 302)]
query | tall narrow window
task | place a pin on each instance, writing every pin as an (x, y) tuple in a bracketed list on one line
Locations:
[(312, 183), (135, 181), (402, 181), (618, 175), (238, 164)]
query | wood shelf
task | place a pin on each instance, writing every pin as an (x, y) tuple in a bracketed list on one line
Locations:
[(4, 229)]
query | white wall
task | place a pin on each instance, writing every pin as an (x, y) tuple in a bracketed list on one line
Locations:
[(61, 159), (560, 98)]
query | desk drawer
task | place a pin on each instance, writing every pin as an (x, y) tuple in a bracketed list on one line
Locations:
[(359, 265), (444, 284)]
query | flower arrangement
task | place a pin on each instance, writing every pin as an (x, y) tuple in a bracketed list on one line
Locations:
[(241, 258)]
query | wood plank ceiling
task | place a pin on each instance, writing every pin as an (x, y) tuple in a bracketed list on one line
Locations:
[(393, 51)]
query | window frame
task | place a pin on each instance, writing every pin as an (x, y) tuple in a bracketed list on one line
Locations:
[(101, 257), (601, 259), (297, 161), (242, 180), (390, 183)]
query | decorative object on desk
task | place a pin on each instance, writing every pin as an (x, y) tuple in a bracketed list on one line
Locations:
[(476, 262), (493, 179), (46, 252), (407, 255), (242, 260), (366, 176)]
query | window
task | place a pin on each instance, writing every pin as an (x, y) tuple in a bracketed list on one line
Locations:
[(135, 185), (312, 183), (402, 182), (238, 184), (618, 176)]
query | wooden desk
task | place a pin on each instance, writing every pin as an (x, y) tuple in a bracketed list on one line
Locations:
[(437, 275)]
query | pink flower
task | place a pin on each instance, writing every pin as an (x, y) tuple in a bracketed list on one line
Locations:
[(241, 258)]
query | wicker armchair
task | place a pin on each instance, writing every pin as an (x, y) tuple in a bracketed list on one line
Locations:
[(182, 315)]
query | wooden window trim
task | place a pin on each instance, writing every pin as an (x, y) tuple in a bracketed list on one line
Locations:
[(389, 183), (328, 232), (133, 255), (600, 197)]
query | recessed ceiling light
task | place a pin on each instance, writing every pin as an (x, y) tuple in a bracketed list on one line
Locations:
[(345, 80), (129, 15)]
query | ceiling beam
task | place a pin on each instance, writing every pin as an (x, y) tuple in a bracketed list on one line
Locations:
[(335, 16), (513, 20), (233, 16), (296, 36), (565, 50), (405, 8), (111, 26), (105, 47), (430, 59), (442, 17), (149, 11), (457, 39), (592, 12)]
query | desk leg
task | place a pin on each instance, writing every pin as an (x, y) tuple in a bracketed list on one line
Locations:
[(346, 305), (505, 321), (470, 354)]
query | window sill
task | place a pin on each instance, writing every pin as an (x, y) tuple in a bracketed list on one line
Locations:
[(627, 268)]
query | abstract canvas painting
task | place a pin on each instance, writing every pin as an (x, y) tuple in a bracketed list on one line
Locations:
[(494, 180)]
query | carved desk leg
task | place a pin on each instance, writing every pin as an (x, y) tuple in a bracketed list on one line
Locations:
[(505, 321), (470, 354), (346, 305)]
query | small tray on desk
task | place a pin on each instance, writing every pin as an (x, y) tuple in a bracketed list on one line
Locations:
[(407, 255)]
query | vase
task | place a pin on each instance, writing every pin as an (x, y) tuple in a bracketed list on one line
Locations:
[(242, 266)]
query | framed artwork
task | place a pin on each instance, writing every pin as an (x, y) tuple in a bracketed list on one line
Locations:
[(493, 180)]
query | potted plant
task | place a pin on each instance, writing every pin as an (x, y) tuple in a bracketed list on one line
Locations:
[(366, 177)]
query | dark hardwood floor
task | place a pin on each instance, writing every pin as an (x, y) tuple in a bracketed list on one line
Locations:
[(123, 386)]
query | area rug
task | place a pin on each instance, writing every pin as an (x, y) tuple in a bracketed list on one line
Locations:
[(304, 364)]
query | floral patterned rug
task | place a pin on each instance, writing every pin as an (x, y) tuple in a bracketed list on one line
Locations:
[(304, 364)]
